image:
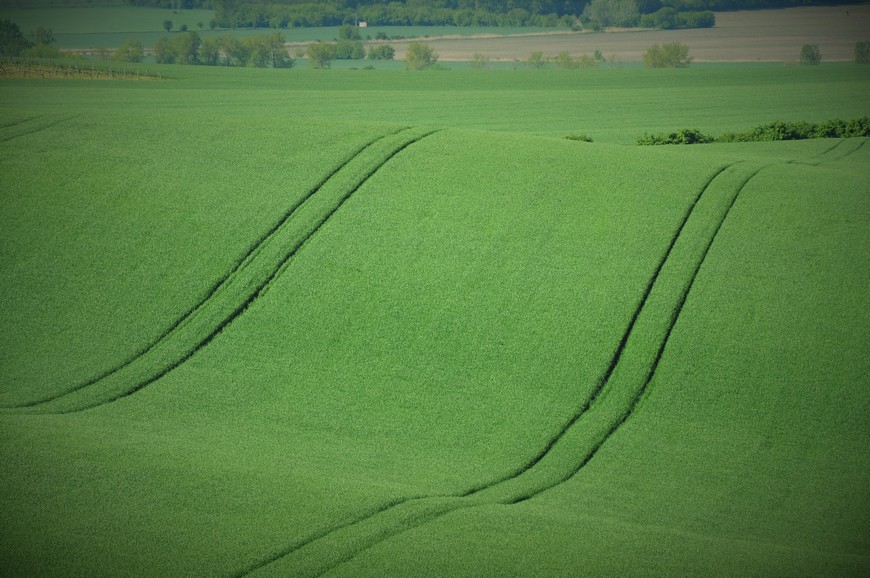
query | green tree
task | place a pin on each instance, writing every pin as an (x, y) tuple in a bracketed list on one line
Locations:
[(269, 51), (810, 54), (41, 51), (12, 41), (43, 36), (278, 55), (130, 51), (862, 52), (349, 32), (587, 61), (565, 60), (320, 54), (668, 55), (164, 53), (479, 61), (349, 50), (420, 56), (210, 51), (259, 51), (382, 52), (237, 52), (167, 25), (536, 60), (186, 48), (612, 12)]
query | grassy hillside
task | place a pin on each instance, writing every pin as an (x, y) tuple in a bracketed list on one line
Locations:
[(295, 324), (745, 451)]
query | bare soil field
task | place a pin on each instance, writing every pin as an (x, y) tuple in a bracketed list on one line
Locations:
[(745, 36)]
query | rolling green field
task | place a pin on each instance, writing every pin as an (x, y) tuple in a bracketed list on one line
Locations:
[(295, 323)]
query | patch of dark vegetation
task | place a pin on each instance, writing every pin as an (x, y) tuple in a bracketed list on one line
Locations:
[(773, 131), (44, 68), (579, 137)]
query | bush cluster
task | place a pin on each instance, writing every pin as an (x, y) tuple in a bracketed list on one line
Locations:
[(668, 55), (779, 130), (772, 131), (682, 136), (810, 54), (862, 52), (668, 18), (420, 56)]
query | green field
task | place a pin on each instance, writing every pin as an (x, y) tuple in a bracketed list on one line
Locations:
[(296, 322)]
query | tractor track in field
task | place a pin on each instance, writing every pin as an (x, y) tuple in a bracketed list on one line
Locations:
[(50, 121), (835, 153), (413, 520), (210, 292), (14, 123), (323, 551), (654, 366), (617, 353), (254, 288)]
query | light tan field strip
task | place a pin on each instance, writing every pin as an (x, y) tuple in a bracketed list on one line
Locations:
[(743, 36), (237, 290)]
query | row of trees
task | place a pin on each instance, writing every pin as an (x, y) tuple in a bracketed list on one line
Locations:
[(731, 5), (262, 51), (545, 13), (13, 42), (669, 55), (558, 7), (669, 18), (515, 13), (277, 15), (321, 54), (648, 14)]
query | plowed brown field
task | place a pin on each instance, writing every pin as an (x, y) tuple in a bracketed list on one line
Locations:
[(762, 35)]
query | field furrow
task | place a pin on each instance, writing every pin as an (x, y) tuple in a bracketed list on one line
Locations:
[(233, 294)]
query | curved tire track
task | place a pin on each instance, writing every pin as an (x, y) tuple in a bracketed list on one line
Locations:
[(628, 398), (836, 152), (237, 290), (321, 552), (252, 250), (33, 125)]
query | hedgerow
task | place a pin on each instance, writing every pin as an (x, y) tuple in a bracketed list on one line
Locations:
[(773, 131), (682, 136)]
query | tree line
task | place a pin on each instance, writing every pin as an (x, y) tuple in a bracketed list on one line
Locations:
[(262, 51), (515, 13)]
